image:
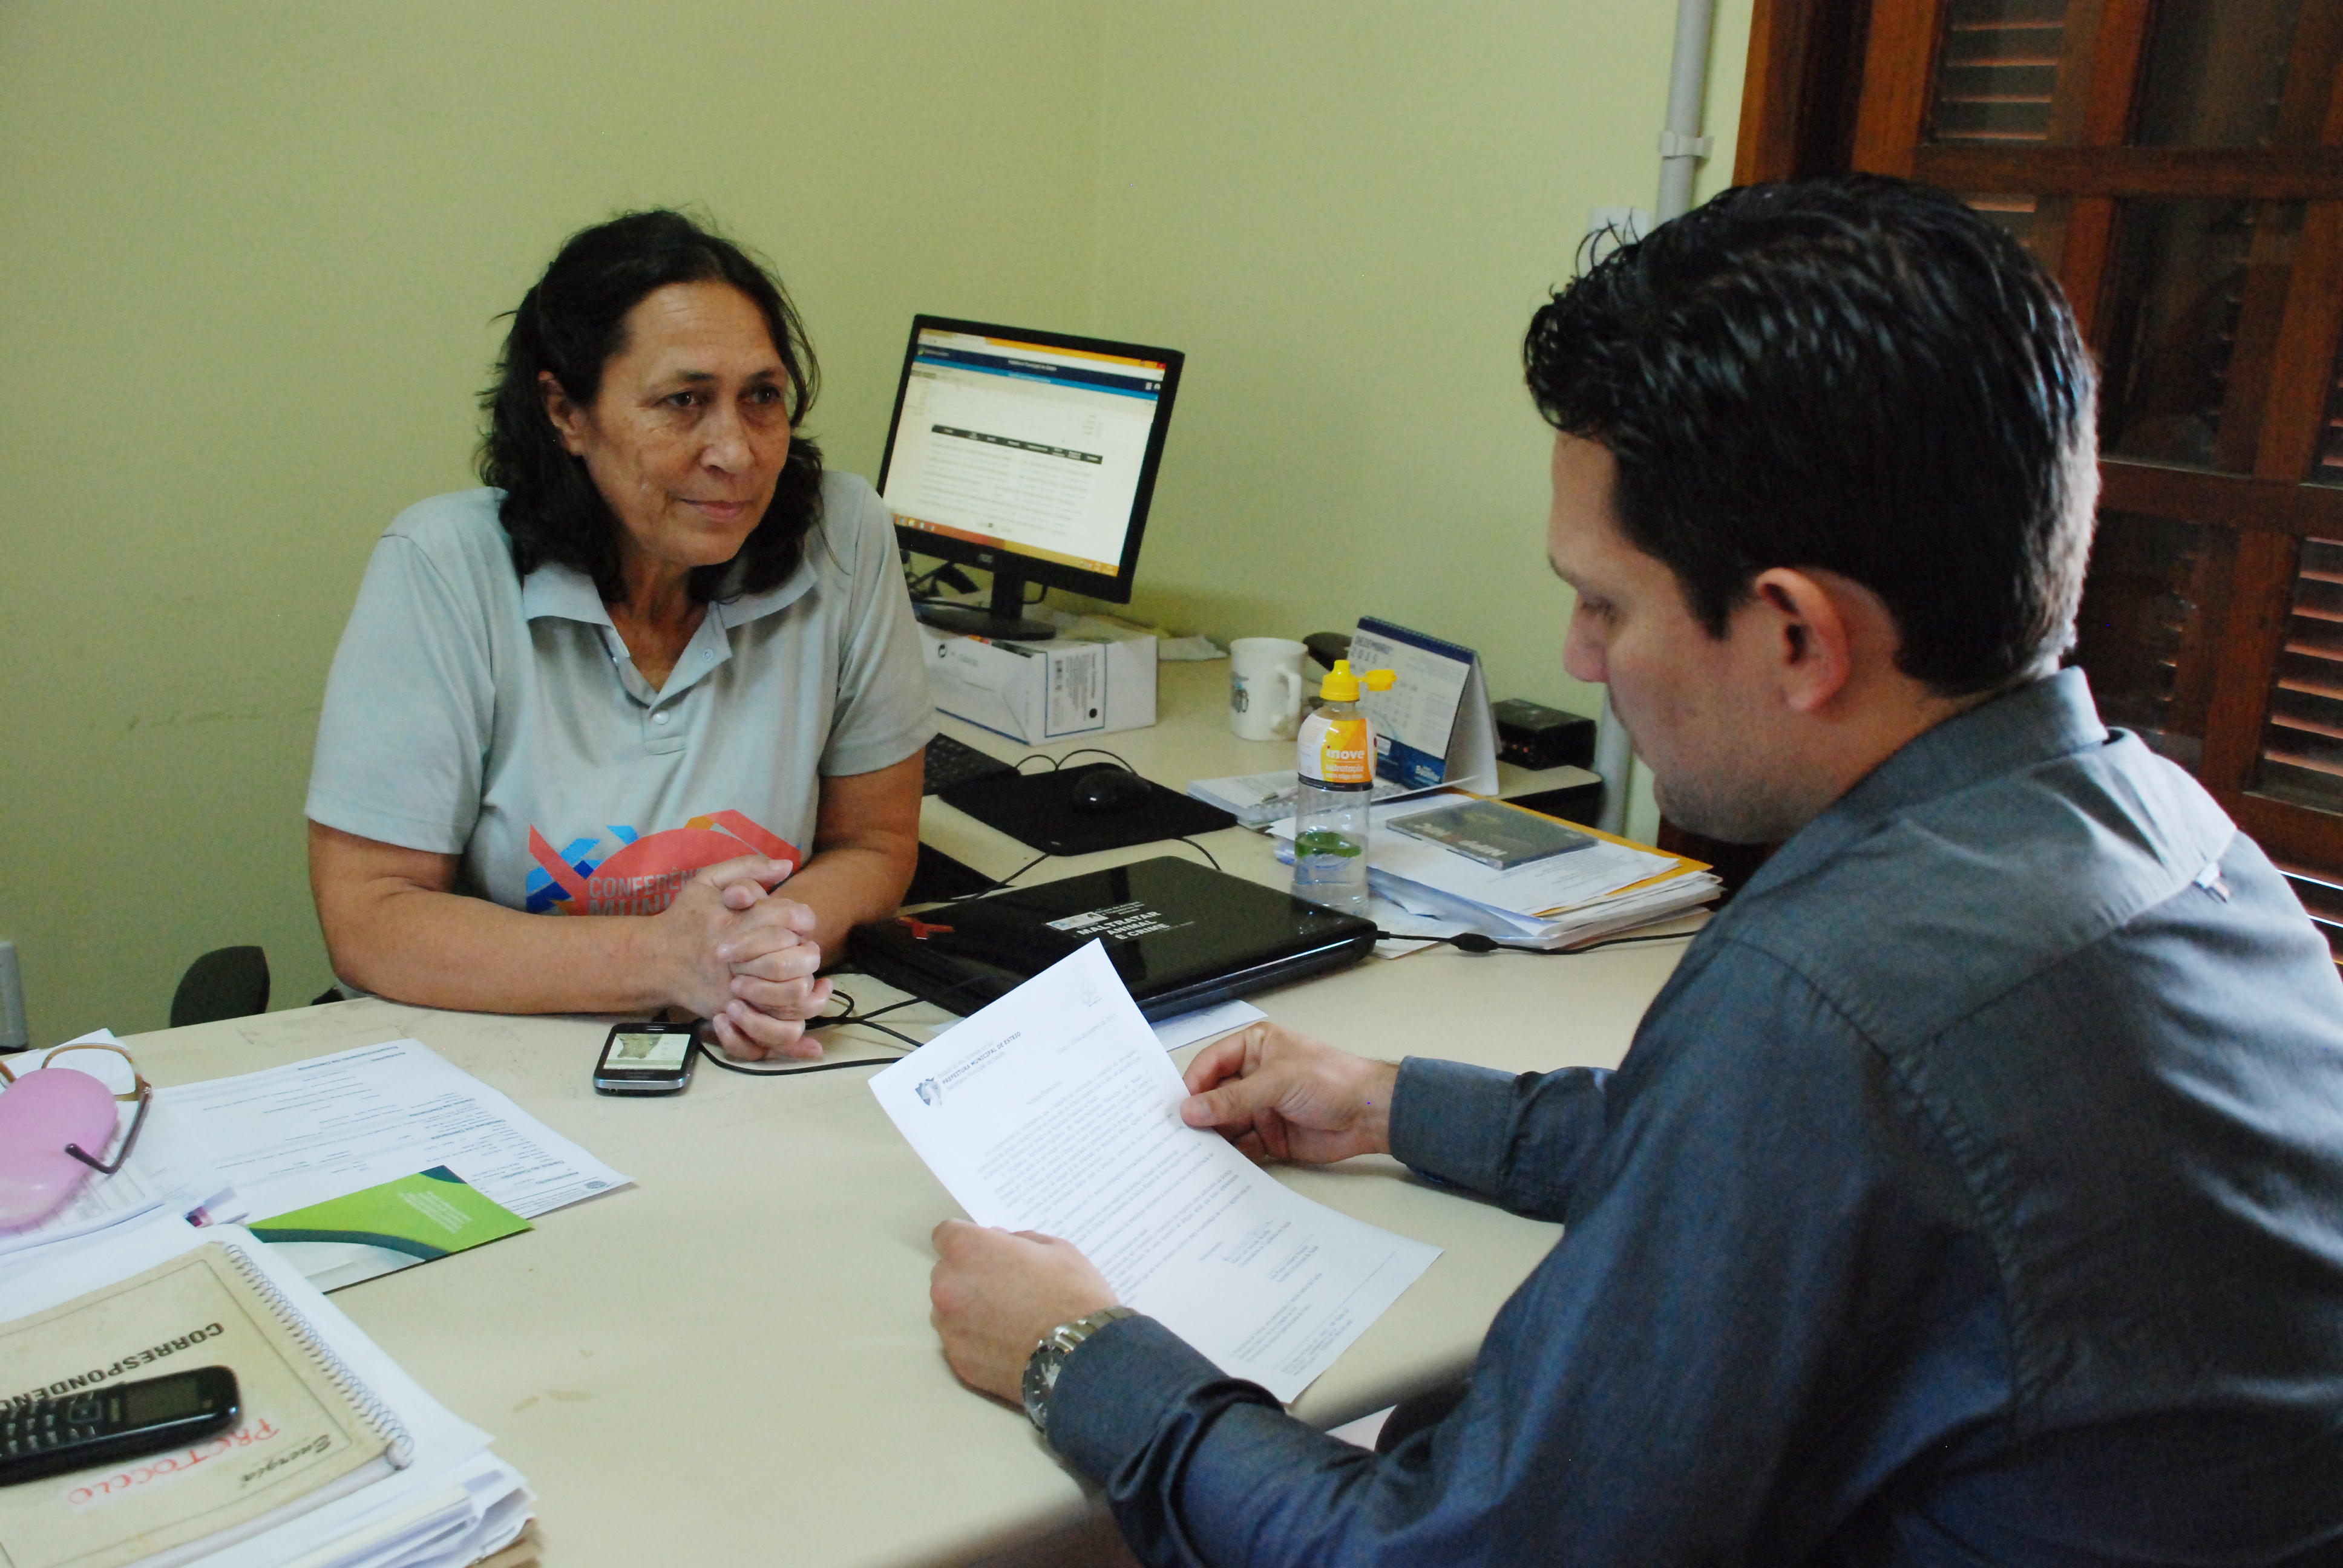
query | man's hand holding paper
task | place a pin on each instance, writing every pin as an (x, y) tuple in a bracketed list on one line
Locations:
[(1055, 1112), (994, 1293), (1279, 1095)]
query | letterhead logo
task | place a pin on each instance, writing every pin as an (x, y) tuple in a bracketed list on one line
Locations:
[(928, 1092)]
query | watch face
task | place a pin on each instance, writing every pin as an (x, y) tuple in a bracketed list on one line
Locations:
[(1040, 1377)]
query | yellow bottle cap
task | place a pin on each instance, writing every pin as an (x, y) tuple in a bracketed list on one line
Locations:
[(1341, 686)]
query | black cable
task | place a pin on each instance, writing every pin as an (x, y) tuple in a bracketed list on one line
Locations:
[(963, 898), (1057, 762), (916, 1001), (1093, 751), (800, 1071), (1199, 849), (852, 1015), (1474, 942), (922, 585), (827, 1020)]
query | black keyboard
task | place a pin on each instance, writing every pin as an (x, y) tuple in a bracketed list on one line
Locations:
[(949, 762)]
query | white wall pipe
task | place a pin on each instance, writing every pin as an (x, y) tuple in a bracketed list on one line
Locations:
[(12, 1035), (1681, 147)]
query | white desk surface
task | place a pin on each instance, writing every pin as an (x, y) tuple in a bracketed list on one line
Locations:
[(731, 1360)]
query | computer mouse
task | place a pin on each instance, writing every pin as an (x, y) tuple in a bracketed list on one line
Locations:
[(1108, 790)]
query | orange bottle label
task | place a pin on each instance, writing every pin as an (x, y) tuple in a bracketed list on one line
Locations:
[(1336, 751)]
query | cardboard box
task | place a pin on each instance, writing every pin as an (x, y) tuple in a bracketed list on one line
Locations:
[(1081, 683)]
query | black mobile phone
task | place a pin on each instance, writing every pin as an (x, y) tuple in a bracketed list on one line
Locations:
[(648, 1058), (101, 1426)]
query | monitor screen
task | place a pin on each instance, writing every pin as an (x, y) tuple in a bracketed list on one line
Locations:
[(1030, 454)]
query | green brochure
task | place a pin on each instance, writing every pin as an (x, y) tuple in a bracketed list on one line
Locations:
[(381, 1229)]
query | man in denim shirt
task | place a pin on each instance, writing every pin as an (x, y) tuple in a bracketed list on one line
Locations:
[(1974, 1191)]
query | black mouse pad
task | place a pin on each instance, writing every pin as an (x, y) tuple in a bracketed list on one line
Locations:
[(1036, 809)]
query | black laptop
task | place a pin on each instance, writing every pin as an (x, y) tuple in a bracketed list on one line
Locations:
[(1180, 935)]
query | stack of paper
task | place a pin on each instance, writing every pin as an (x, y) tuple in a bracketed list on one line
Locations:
[(450, 1502), (1611, 886), (1258, 799), (300, 1134), (278, 1143)]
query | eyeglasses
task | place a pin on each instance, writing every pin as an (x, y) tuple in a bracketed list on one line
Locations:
[(41, 1118)]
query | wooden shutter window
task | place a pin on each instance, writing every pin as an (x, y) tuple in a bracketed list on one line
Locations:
[(2330, 447), (2179, 165), (2216, 72), (2302, 748), (2189, 318), (1997, 73), (2142, 622), (2322, 895)]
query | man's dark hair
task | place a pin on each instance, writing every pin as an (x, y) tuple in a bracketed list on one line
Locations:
[(570, 325), (1857, 374)]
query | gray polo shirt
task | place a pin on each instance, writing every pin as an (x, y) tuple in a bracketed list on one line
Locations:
[(471, 712)]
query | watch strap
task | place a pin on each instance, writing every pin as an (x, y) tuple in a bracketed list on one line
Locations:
[(1048, 1359)]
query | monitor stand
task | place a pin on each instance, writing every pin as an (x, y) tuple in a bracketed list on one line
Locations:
[(1003, 621)]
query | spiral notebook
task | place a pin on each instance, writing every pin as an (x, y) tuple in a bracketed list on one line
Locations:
[(310, 1429)]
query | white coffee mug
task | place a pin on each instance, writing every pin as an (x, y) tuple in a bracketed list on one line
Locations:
[(1265, 687)]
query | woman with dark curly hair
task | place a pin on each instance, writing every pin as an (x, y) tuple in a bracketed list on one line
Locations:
[(661, 675)]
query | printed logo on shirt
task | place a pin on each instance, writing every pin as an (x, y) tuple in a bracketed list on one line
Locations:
[(645, 872)]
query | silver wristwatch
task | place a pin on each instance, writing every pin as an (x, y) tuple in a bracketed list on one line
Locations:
[(1048, 1359)]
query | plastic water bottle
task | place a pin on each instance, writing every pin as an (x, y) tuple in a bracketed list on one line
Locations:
[(1335, 764)]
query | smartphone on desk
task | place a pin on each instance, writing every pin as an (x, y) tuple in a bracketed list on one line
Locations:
[(647, 1058)]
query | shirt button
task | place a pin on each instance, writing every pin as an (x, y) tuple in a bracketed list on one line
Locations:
[(708, 656), (660, 717)]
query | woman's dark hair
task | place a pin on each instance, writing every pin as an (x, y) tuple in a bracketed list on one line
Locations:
[(1857, 374), (569, 326)]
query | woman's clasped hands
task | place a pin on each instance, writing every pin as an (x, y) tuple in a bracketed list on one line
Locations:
[(743, 956)]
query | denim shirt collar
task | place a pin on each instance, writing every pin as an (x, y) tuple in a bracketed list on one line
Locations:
[(2046, 719)]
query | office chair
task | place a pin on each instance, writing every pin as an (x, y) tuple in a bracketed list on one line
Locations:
[(226, 982)]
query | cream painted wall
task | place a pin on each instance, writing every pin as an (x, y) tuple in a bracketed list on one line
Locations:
[(251, 255), (1345, 211), (253, 251)]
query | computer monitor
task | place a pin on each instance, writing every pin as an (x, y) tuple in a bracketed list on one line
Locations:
[(1030, 454)]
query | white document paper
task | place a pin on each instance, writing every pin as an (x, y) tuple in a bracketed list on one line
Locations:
[(1055, 1110), (296, 1135)]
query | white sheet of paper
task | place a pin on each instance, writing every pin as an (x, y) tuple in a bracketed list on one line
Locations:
[(298, 1134), (1055, 1110)]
